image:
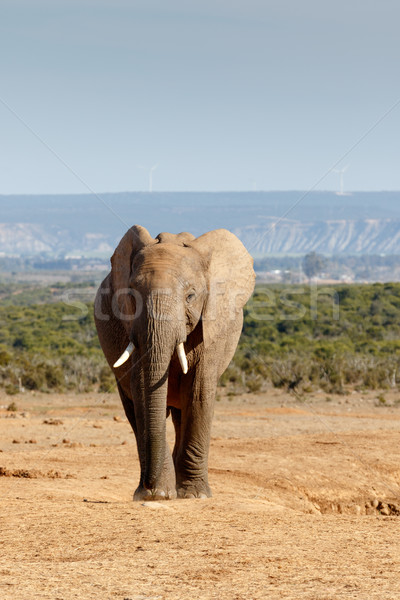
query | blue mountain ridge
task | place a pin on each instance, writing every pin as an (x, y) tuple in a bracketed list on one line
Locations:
[(267, 222)]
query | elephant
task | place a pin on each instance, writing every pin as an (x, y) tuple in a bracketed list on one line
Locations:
[(169, 316)]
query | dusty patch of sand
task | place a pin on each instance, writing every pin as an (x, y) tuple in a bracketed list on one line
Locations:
[(306, 503)]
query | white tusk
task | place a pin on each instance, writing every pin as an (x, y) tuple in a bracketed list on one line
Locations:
[(182, 357), (124, 356)]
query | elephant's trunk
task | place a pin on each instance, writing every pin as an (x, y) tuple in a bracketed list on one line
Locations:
[(155, 372), (163, 335)]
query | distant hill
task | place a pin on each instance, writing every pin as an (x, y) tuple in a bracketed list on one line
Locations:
[(267, 222)]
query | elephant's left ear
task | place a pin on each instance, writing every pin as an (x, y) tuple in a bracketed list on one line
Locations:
[(230, 281)]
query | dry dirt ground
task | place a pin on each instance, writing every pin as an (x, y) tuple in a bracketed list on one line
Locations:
[(306, 503)]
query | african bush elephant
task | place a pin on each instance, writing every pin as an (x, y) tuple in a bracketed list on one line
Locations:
[(169, 316)]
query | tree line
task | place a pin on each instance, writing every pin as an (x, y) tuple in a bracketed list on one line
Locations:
[(301, 338)]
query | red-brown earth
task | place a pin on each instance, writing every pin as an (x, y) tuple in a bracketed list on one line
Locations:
[(306, 503)]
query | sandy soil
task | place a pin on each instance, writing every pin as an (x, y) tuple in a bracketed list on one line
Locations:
[(306, 503)]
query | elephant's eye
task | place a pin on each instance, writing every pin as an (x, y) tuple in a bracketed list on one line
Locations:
[(190, 297)]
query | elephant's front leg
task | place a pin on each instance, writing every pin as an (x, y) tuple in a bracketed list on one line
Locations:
[(193, 441)]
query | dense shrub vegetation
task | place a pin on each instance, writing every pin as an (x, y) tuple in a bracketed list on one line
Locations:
[(48, 340), (296, 337), (334, 338)]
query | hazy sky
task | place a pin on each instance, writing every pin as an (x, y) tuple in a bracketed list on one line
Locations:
[(222, 94)]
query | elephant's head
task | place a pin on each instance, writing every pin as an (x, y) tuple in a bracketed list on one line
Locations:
[(163, 290)]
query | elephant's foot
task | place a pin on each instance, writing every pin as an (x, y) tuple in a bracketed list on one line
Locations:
[(194, 489), (157, 494), (164, 487)]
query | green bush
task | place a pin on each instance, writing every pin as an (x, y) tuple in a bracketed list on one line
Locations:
[(107, 383), (254, 383), (11, 389), (5, 358)]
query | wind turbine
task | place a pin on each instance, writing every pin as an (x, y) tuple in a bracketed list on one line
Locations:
[(153, 168), (341, 171), (150, 171)]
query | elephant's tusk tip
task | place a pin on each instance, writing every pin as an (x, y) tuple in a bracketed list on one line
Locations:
[(182, 357), (124, 356)]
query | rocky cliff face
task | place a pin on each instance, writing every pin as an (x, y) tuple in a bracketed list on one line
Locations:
[(268, 236), (364, 236), (30, 239), (26, 239), (267, 222)]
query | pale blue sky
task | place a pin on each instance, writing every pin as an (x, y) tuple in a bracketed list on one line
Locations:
[(223, 95)]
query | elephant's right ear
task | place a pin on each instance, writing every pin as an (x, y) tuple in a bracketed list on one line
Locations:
[(121, 264)]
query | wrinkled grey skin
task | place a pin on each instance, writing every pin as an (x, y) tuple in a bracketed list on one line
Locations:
[(161, 292)]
